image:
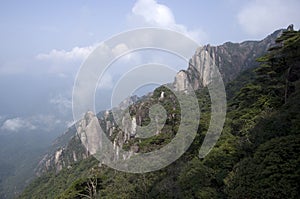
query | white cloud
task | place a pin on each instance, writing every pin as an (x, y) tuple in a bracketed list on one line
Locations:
[(119, 49), (154, 13), (76, 54), (36, 122), (261, 17), (62, 104), (45, 122), (61, 101), (151, 13), (17, 124), (106, 82), (64, 63)]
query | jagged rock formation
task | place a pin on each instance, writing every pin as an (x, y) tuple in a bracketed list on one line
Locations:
[(86, 140), (63, 156), (257, 155), (69, 151), (80, 143), (230, 58), (73, 144), (88, 130), (181, 81)]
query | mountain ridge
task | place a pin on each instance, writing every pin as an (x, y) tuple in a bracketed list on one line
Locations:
[(224, 56), (257, 155), (230, 58)]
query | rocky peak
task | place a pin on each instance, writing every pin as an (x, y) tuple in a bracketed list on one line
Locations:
[(181, 80), (230, 58)]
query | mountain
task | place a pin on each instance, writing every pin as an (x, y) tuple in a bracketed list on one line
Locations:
[(256, 156), (230, 58), (67, 149)]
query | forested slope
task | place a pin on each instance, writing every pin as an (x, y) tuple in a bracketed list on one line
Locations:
[(257, 155)]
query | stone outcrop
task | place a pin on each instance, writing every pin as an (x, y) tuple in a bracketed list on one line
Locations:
[(63, 156), (230, 58), (88, 130), (86, 141), (181, 81)]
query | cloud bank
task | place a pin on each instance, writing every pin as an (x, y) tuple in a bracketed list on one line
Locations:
[(76, 54), (25, 124), (17, 124)]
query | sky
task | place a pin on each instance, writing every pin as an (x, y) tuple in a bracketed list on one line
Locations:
[(43, 44)]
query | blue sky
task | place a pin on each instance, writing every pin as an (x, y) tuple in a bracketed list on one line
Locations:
[(31, 27), (43, 43)]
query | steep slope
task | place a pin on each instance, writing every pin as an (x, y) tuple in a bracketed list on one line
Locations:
[(68, 149), (230, 58), (259, 144)]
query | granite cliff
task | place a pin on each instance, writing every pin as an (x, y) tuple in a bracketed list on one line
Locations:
[(230, 58)]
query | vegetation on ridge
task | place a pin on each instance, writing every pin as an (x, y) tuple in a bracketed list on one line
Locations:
[(257, 155)]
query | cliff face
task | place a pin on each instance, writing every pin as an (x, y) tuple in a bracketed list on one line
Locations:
[(66, 150), (73, 144), (257, 155), (230, 58)]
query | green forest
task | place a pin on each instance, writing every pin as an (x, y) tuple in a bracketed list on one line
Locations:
[(257, 155)]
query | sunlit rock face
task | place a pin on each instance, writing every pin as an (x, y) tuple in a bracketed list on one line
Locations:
[(89, 131), (63, 154), (181, 81), (230, 59)]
